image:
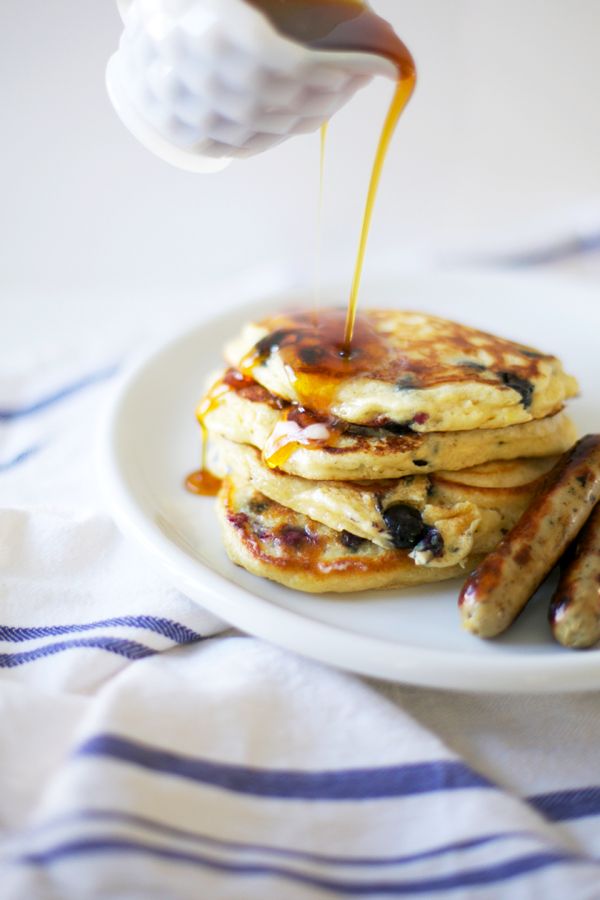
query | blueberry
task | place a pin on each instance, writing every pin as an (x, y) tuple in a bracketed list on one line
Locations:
[(271, 342), (404, 524), (521, 385), (238, 520), (351, 541), (292, 536), (433, 542)]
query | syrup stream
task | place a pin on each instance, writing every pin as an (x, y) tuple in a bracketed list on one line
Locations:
[(402, 95), (319, 237)]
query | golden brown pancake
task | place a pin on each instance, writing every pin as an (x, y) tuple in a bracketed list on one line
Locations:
[(271, 541), (403, 513), (410, 369), (248, 414), (399, 459)]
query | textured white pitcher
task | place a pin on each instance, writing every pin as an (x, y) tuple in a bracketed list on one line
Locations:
[(201, 82)]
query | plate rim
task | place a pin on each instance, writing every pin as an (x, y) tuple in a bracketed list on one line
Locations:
[(302, 633)]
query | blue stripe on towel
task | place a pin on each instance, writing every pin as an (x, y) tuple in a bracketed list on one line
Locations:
[(579, 245), (117, 817), (18, 459), (563, 805), (175, 631), (8, 415), (344, 784), (129, 649), (490, 874)]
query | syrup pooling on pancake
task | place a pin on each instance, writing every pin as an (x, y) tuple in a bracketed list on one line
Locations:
[(313, 353), (404, 370)]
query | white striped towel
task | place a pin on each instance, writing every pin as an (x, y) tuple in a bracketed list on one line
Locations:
[(140, 759)]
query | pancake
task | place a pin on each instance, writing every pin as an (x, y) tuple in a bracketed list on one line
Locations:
[(410, 369), (273, 542), (441, 519), (248, 414)]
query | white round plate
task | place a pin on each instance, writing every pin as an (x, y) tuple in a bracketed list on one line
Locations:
[(409, 635)]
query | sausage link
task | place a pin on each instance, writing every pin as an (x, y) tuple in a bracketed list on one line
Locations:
[(496, 592), (575, 609)]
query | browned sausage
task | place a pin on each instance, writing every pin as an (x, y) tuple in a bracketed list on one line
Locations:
[(575, 608), (496, 592)]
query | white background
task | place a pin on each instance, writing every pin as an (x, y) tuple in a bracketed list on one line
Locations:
[(503, 134)]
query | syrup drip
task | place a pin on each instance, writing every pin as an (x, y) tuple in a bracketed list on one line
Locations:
[(314, 354), (202, 481), (296, 428), (402, 95), (319, 242), (324, 129)]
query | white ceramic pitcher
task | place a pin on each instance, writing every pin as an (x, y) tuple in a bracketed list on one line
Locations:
[(201, 82)]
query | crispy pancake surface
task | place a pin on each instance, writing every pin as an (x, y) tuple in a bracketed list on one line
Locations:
[(465, 517), (407, 368), (250, 415), (270, 540)]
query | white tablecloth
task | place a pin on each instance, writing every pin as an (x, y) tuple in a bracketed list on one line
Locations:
[(148, 751)]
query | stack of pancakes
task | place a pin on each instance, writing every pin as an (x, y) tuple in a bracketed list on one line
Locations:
[(399, 460)]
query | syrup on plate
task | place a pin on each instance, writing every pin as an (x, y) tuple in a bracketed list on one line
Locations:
[(202, 481)]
